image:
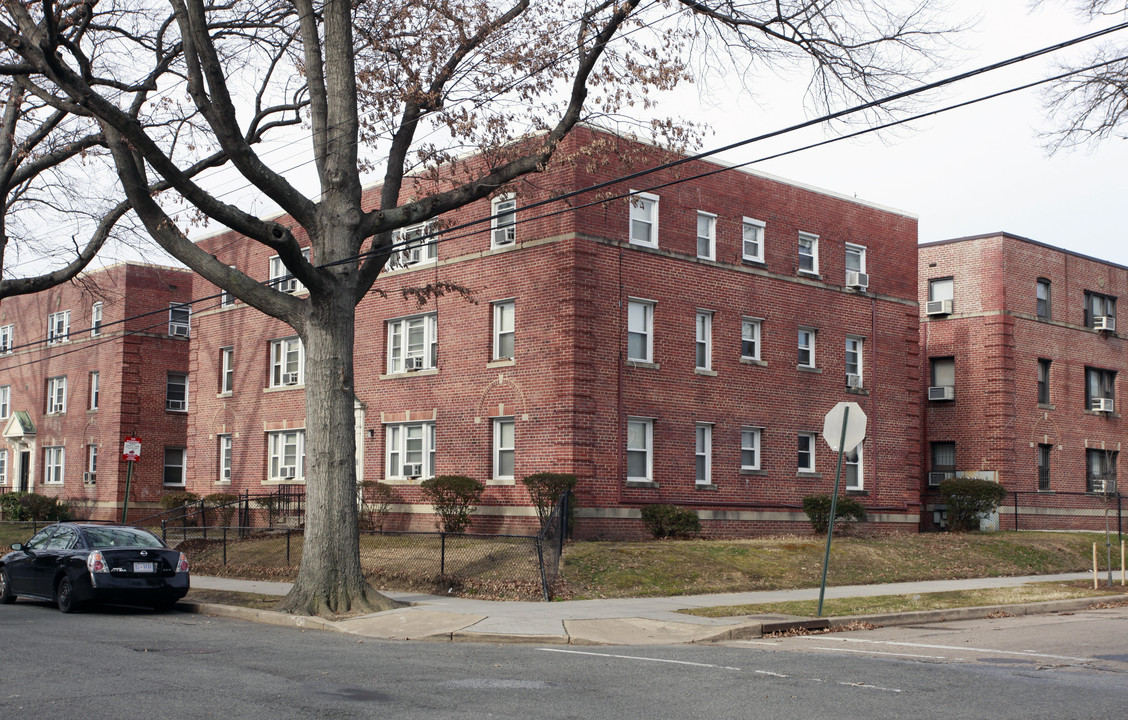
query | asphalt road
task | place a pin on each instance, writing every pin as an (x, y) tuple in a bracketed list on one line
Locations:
[(119, 663)]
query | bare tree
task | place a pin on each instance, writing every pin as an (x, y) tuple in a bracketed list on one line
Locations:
[(393, 87)]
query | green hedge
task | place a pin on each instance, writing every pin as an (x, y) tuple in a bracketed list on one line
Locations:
[(847, 512), (670, 521), (969, 500), (454, 498)]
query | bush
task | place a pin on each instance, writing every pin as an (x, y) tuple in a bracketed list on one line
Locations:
[(33, 506), (178, 500), (376, 500), (670, 521), (545, 489), (224, 504), (454, 498), (847, 512), (969, 500)]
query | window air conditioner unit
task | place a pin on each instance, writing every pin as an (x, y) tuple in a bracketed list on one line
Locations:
[(89, 478), (179, 330), (1098, 484), (1104, 405), (413, 363), (1104, 322), (413, 470), (290, 378), (935, 478), (858, 280), (288, 471), (504, 235), (942, 392), (176, 405), (938, 307), (853, 380)]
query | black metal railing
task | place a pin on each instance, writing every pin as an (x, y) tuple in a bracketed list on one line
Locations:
[(1041, 510)]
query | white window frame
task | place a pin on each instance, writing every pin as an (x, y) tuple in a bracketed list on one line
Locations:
[(644, 211), (806, 339), (640, 327), (706, 235), (414, 439), (809, 242), (226, 298), (703, 346), (503, 224), (96, 319), (278, 270), (752, 240), (855, 357), (7, 335), (58, 327), (504, 446), (166, 466), (91, 475), (171, 383), (703, 453), (57, 395), (180, 319), (54, 464), (812, 441), (3, 467), (750, 440), (227, 370), (750, 332), (504, 329), (5, 401), (854, 460), (225, 446), (95, 388), (404, 357), (415, 249), (858, 251), (282, 445), (287, 359), (646, 425)]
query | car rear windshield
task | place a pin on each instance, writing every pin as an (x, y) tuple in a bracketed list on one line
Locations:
[(107, 537)]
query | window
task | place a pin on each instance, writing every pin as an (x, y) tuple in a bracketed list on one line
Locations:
[(58, 327), (176, 392), (855, 262), (704, 344), (96, 319), (503, 324), (5, 401), (1043, 381), (280, 277), (943, 372), (287, 362), (3, 467), (853, 361), (287, 454), (750, 338), (703, 453), (56, 395), (806, 452), (852, 469), (1044, 467), (644, 219), (753, 237), (1042, 305), (175, 467), (808, 253), (413, 343), (95, 386), (91, 475), (6, 333), (410, 450), (503, 226), (940, 289), (640, 449), (640, 331), (1099, 389), (416, 247), (226, 299), (503, 441), (227, 370), (225, 446), (53, 461), (943, 462), (750, 448), (1101, 474), (706, 236), (806, 348), (179, 319), (1098, 306)]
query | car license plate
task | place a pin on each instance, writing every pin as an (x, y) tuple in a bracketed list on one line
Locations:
[(142, 567)]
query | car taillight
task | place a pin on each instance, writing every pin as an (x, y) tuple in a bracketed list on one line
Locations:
[(95, 563), (182, 564)]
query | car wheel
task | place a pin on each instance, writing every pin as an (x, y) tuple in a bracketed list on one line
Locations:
[(6, 594), (64, 596)]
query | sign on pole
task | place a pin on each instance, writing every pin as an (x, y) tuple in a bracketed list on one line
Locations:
[(855, 426), (130, 452), (132, 449)]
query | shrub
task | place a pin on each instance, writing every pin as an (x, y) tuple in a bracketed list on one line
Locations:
[(670, 521), (376, 504), (177, 501), (224, 504), (33, 506), (847, 512), (454, 498), (545, 489), (969, 500)]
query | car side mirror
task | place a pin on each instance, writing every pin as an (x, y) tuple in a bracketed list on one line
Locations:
[(17, 546)]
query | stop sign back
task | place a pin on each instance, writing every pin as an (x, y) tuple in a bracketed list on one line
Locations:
[(855, 420)]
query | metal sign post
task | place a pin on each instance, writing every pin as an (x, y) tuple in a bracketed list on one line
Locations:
[(842, 435), (130, 452)]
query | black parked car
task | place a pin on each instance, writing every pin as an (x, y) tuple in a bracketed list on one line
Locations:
[(74, 563)]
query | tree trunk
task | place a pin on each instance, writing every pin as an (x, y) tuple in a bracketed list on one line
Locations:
[(330, 579)]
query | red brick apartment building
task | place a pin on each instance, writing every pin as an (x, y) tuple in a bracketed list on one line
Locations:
[(682, 348), (1023, 366), (86, 364)]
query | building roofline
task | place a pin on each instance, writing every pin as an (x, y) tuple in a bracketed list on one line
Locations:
[(1019, 238)]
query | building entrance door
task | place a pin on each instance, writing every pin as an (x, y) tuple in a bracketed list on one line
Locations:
[(25, 471)]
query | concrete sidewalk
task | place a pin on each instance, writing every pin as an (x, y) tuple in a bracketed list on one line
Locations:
[(625, 621)]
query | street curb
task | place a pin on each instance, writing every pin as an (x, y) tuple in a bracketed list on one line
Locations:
[(976, 613), (506, 639), (266, 617)]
